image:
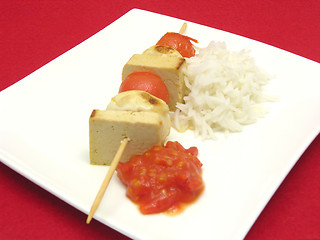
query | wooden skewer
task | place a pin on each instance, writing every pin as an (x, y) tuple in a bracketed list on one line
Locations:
[(107, 179), (183, 28)]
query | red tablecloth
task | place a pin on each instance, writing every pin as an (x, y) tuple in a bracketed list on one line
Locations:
[(35, 32)]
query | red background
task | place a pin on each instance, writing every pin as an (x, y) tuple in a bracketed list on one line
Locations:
[(32, 33)]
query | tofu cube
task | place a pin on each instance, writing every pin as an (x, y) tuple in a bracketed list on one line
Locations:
[(107, 128), (167, 66)]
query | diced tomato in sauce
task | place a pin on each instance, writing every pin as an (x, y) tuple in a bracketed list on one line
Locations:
[(163, 179)]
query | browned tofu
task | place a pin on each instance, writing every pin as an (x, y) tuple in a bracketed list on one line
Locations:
[(136, 115), (167, 63)]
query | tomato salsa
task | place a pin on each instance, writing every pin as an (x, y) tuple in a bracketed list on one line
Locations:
[(163, 179)]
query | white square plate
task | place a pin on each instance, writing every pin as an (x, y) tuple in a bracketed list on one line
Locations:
[(44, 132)]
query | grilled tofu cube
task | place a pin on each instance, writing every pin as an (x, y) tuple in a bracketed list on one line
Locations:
[(167, 63), (146, 125)]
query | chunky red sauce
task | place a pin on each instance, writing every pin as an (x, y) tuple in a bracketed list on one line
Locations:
[(163, 178)]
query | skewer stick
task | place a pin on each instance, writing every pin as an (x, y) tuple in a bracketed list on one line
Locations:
[(183, 28), (107, 179)]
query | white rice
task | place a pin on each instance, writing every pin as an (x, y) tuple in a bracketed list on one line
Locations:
[(225, 92)]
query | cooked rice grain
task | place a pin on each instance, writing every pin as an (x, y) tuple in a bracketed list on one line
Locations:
[(225, 91)]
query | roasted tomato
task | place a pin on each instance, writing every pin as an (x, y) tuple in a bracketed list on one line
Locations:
[(179, 42), (163, 179), (145, 81)]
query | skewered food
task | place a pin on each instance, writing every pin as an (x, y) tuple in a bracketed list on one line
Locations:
[(146, 81), (165, 62), (179, 42), (136, 120), (135, 115)]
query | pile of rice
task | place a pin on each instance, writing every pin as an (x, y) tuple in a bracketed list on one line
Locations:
[(225, 92)]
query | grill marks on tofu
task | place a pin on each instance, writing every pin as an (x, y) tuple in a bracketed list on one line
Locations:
[(152, 100)]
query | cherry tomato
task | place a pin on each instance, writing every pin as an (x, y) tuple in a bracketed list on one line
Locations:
[(179, 42), (146, 81), (164, 178)]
